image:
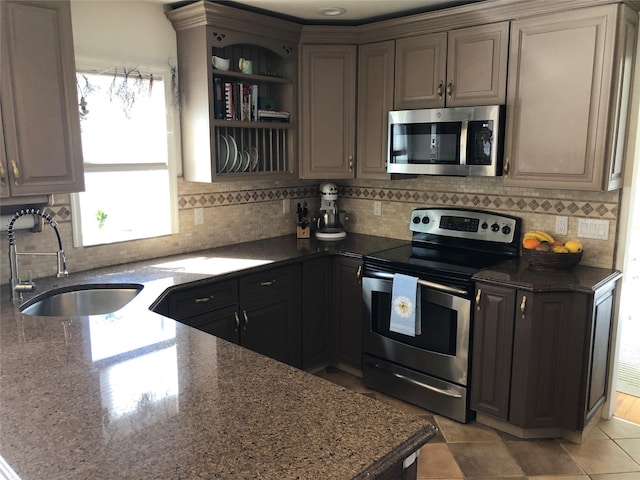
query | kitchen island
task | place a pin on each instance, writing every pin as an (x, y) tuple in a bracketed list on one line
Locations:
[(134, 394)]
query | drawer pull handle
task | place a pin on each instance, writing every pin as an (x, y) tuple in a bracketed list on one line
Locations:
[(268, 283), (203, 299), (246, 318), (523, 305), (440, 90), (235, 314), (478, 294), (450, 89)]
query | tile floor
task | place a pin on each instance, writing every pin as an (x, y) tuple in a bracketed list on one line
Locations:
[(474, 451)]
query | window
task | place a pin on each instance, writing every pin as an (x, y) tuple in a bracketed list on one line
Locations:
[(129, 186)]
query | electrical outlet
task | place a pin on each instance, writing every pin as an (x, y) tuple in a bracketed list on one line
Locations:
[(377, 207), (562, 225), (286, 206), (198, 214)]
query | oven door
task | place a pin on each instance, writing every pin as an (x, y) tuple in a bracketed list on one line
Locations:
[(441, 350)]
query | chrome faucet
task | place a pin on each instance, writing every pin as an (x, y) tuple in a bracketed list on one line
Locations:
[(19, 286)]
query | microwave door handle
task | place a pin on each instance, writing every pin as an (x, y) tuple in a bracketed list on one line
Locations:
[(425, 283), (463, 141)]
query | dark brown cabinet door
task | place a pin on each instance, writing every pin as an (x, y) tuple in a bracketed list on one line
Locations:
[(598, 358), (316, 312), (492, 348), (270, 313), (545, 350), (223, 323), (347, 300)]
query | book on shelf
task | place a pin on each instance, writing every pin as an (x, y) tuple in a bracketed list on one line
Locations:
[(235, 101), (273, 116), (228, 101), (218, 99)]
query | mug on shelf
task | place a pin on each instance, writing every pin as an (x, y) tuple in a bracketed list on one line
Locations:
[(220, 63), (246, 66)]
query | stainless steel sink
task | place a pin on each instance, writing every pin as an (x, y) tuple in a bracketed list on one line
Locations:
[(81, 300)]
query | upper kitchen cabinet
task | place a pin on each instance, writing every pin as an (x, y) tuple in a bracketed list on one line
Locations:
[(238, 118), (463, 67), (41, 148), (568, 98), (375, 99), (327, 111)]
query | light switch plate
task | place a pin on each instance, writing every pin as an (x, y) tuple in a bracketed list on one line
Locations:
[(598, 229)]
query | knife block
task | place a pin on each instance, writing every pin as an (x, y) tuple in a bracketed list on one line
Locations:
[(303, 231)]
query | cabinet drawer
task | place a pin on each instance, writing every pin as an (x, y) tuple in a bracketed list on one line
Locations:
[(282, 281), (203, 299)]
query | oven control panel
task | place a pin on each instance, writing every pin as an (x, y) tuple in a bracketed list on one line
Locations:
[(462, 223)]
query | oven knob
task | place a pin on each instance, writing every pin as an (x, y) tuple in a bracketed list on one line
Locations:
[(495, 227), (425, 220), (485, 225), (506, 229), (416, 220)]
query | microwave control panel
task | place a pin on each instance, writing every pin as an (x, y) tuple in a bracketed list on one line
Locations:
[(467, 224)]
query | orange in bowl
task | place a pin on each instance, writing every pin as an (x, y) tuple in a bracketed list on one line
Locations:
[(530, 243)]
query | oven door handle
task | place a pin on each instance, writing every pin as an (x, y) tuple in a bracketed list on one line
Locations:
[(426, 283), (426, 385)]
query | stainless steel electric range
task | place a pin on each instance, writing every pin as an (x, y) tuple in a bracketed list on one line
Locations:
[(449, 245)]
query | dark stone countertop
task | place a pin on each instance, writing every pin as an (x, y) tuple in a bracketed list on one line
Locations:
[(134, 394), (517, 274)]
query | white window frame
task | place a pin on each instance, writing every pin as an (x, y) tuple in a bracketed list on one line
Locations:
[(173, 152)]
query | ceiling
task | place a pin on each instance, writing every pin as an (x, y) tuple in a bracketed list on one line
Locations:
[(356, 11)]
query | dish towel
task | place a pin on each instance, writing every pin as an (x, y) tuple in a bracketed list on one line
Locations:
[(405, 306)]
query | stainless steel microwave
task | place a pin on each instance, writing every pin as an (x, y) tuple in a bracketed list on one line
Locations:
[(460, 141)]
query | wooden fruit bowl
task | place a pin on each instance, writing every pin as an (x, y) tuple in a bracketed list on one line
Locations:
[(550, 260)]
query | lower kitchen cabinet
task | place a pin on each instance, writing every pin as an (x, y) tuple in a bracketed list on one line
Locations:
[(332, 313), (540, 359), (316, 312), (308, 315), (270, 304), (492, 348), (347, 311), (260, 311)]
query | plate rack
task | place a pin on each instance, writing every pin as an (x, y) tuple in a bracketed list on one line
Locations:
[(255, 150)]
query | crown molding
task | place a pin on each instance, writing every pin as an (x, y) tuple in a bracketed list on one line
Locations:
[(203, 13)]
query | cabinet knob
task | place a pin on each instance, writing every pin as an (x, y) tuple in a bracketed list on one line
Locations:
[(440, 89), (450, 88), (16, 173)]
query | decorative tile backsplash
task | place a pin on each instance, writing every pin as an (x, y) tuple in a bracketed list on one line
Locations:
[(242, 212), (517, 203)]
